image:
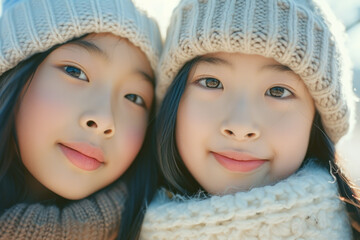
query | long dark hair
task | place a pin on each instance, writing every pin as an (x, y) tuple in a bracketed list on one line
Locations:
[(12, 172), (179, 180), (140, 178)]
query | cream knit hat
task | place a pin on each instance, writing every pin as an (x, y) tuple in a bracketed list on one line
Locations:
[(301, 34), (31, 26)]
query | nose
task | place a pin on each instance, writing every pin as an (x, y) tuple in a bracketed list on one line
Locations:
[(240, 125), (102, 123)]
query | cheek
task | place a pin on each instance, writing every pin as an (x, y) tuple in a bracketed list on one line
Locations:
[(290, 139), (195, 119), (41, 112), (290, 126), (40, 122), (188, 124), (130, 140), (134, 139), (194, 128)]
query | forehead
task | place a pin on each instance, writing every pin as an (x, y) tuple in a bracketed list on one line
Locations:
[(111, 48)]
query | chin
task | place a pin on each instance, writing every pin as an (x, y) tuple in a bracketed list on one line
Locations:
[(232, 190), (75, 195)]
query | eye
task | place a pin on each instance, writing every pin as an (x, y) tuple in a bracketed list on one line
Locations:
[(136, 99), (76, 73), (279, 92), (210, 83)]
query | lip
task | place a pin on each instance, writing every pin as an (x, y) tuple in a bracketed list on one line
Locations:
[(83, 155), (238, 161)]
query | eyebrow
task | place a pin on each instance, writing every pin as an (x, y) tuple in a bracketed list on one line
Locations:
[(146, 76), (91, 48), (213, 60), (276, 67)]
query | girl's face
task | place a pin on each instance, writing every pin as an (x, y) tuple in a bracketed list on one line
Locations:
[(243, 121), (83, 118)]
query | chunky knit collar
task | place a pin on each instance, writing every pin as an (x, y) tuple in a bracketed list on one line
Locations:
[(304, 206), (96, 217)]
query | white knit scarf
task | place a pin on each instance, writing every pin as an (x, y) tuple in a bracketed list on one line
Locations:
[(304, 206)]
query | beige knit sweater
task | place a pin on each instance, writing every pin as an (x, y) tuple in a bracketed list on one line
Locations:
[(94, 218), (303, 206)]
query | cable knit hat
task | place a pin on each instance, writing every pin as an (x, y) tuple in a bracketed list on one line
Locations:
[(31, 26), (301, 34)]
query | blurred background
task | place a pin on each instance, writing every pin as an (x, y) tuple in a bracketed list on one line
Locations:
[(348, 11)]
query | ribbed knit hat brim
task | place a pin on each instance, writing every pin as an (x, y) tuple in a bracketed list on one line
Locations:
[(31, 26), (300, 34)]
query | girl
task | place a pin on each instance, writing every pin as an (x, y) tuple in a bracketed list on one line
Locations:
[(246, 131), (76, 89)]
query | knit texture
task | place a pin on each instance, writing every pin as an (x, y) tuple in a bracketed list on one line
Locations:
[(303, 206), (31, 26), (94, 218), (301, 34)]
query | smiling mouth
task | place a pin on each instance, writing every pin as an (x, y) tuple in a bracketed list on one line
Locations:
[(238, 162), (78, 158)]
